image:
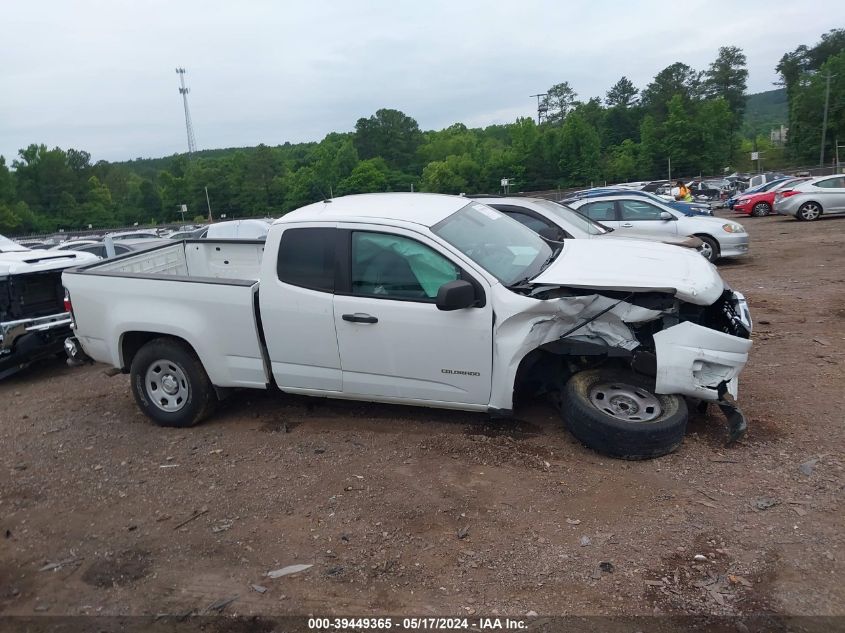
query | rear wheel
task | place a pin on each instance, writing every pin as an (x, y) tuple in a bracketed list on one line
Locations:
[(710, 248), (617, 413), (810, 211), (760, 209), (170, 384)]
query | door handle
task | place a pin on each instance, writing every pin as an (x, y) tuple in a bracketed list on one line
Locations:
[(626, 225), (360, 317)]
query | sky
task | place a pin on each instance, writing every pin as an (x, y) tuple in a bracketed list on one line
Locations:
[(99, 75)]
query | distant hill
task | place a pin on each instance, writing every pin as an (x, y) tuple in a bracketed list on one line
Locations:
[(764, 111)]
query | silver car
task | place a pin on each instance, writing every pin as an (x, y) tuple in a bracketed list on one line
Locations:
[(634, 216), (810, 200), (556, 221)]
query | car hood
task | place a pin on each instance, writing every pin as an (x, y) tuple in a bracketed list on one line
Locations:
[(629, 265), (36, 261)]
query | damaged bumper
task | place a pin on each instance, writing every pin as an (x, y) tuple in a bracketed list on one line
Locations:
[(694, 361)]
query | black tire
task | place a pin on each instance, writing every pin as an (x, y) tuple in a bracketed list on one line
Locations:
[(625, 439), (171, 360), (760, 209), (711, 253), (809, 211)]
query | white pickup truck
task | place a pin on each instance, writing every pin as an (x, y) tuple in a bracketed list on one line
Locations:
[(422, 299), (33, 320)]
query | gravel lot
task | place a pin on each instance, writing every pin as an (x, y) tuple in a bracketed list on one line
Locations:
[(413, 511)]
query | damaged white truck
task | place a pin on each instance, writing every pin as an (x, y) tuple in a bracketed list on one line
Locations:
[(425, 300)]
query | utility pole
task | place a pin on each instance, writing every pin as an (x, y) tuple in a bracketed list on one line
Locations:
[(192, 142), (208, 202), (541, 109), (824, 120)]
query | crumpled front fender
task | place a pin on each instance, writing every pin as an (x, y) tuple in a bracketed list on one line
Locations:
[(693, 360)]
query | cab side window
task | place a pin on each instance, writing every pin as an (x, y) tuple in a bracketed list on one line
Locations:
[(396, 267), (307, 258)]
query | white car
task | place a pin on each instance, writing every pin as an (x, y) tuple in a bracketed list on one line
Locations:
[(33, 318), (422, 299), (556, 221), (630, 215), (810, 200)]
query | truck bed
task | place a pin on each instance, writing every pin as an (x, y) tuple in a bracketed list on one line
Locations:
[(214, 259), (203, 292)]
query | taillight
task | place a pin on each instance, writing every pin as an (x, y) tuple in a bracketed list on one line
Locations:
[(788, 193), (68, 304)]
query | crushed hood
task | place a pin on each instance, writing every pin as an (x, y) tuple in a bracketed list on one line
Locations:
[(630, 265), (36, 261)]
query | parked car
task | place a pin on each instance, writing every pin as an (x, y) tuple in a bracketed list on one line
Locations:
[(555, 221), (687, 208), (72, 245), (120, 247), (731, 202), (633, 215), (427, 300), (238, 230), (134, 235), (809, 200), (706, 190), (760, 179), (33, 318), (761, 203), (189, 234)]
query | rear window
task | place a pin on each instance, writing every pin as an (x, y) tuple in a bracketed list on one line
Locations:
[(307, 258)]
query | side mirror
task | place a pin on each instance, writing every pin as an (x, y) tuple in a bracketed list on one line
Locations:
[(665, 215), (455, 295)]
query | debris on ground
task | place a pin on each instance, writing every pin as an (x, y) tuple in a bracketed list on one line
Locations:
[(221, 604), (258, 588), (60, 564), (463, 532), (585, 541), (287, 571), (764, 503), (808, 467)]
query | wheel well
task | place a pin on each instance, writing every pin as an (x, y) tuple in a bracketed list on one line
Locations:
[(131, 342), (709, 237), (806, 202)]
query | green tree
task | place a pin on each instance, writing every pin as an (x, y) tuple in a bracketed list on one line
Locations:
[(675, 79), (622, 162), (558, 101), (368, 176), (389, 134), (622, 93), (580, 157), (727, 78)]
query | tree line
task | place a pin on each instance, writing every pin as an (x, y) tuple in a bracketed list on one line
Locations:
[(696, 118)]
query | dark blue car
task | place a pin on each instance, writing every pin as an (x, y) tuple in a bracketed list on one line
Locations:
[(687, 208)]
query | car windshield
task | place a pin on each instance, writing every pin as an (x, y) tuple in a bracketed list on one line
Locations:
[(502, 246), (568, 215), (8, 246)]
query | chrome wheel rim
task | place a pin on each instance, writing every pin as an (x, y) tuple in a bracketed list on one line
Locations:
[(760, 209), (811, 212), (166, 385), (624, 402), (707, 251)]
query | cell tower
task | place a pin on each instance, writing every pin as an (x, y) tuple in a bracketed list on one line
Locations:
[(192, 142)]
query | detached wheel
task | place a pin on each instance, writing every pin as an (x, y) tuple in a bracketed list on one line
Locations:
[(810, 211), (710, 249), (617, 413), (170, 384), (760, 209)]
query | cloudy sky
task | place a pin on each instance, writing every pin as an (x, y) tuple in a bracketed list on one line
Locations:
[(100, 75)]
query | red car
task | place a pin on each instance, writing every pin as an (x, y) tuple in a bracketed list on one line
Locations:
[(761, 203)]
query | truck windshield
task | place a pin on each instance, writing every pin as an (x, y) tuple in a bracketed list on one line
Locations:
[(570, 216), (8, 246), (502, 246)]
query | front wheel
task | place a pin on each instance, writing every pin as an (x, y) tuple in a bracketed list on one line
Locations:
[(170, 384), (810, 211), (617, 413), (710, 249), (760, 209)]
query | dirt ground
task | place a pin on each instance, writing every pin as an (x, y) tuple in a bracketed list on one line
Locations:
[(414, 511)]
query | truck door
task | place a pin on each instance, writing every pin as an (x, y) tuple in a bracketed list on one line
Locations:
[(297, 312), (394, 342)]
